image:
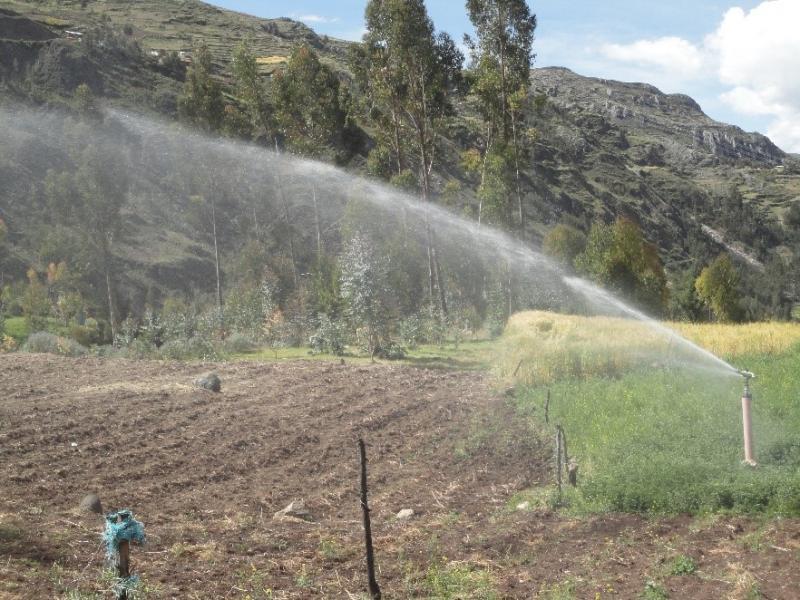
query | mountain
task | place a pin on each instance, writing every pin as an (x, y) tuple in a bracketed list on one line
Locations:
[(602, 148)]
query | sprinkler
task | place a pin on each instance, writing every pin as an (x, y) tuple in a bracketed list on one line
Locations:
[(747, 400)]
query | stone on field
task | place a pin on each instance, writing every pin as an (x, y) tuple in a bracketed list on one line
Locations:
[(405, 514), (295, 510), (209, 381), (91, 503)]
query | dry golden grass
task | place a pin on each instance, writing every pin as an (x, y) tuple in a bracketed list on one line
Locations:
[(541, 347), (271, 60), (737, 340)]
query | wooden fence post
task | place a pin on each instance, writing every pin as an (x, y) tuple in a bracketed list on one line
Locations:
[(374, 590), (547, 408), (124, 567)]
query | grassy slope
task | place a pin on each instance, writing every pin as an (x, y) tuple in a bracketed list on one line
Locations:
[(669, 440), (180, 24)]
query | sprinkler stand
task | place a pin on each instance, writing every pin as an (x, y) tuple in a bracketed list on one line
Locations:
[(747, 422)]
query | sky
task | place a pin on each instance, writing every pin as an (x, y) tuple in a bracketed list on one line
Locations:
[(739, 59)]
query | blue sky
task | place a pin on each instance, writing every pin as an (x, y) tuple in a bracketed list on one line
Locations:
[(688, 46)]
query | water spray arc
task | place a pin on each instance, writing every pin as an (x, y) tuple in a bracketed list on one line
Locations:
[(180, 164), (747, 423)]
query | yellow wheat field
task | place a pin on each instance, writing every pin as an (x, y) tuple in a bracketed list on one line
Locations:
[(737, 340), (541, 347), (271, 60)]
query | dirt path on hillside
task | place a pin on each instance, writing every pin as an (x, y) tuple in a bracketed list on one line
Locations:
[(205, 472)]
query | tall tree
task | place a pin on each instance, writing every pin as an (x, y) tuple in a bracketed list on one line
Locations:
[(620, 258), (306, 95), (309, 113), (102, 182), (717, 286), (408, 69), (502, 57), (202, 103), (250, 90)]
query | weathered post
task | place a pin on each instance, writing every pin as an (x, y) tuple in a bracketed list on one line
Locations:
[(547, 407), (558, 459), (124, 568), (121, 530), (374, 590)]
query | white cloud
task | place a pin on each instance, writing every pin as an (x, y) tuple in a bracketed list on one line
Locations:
[(314, 18), (672, 55), (755, 54), (759, 54)]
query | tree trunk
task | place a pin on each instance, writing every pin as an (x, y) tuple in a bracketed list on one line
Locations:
[(483, 170), (397, 150), (112, 318), (521, 214), (286, 219), (316, 221), (216, 255), (439, 282)]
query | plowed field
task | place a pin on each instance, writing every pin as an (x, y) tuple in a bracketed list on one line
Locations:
[(205, 472)]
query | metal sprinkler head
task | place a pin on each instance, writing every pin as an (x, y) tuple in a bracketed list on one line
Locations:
[(748, 375)]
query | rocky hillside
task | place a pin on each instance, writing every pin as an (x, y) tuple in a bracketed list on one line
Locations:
[(603, 148)]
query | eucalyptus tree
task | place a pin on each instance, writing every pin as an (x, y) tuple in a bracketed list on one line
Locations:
[(309, 114), (502, 55), (202, 102), (251, 92), (408, 70), (102, 183)]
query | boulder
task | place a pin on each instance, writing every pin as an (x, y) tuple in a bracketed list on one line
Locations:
[(209, 381), (91, 503), (295, 510)]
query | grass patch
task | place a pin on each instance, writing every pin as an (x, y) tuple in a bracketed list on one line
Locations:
[(467, 356), (460, 581), (682, 565), (17, 328), (668, 440)]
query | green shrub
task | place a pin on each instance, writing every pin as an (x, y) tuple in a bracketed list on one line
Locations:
[(411, 331), (391, 351), (239, 343), (196, 347), (654, 591), (88, 334), (329, 337), (683, 565)]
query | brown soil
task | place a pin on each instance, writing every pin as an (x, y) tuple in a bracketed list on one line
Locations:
[(205, 472)]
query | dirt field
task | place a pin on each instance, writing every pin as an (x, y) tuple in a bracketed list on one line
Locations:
[(205, 472)]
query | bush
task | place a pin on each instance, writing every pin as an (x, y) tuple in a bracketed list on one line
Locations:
[(391, 351), (196, 347), (411, 331), (329, 337), (88, 334), (8, 344), (47, 343), (239, 343), (139, 349)]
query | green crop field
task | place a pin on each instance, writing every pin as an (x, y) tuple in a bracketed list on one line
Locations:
[(648, 438)]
